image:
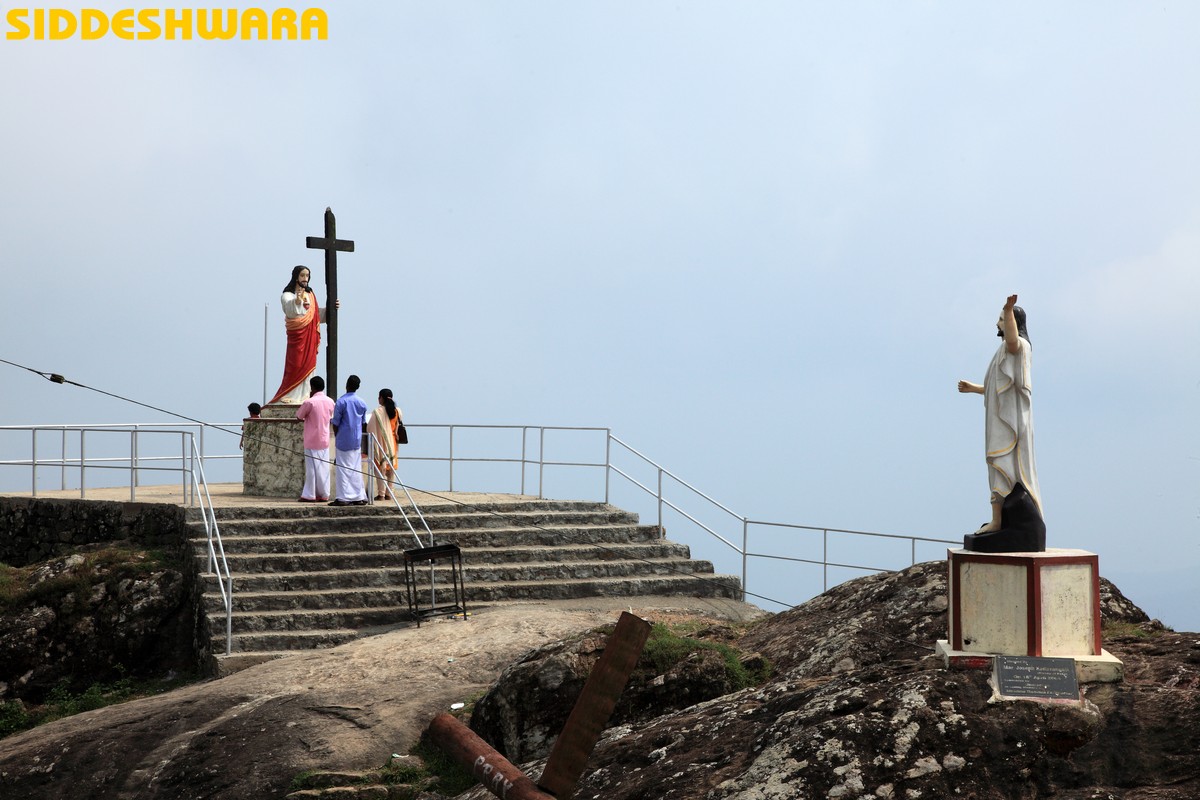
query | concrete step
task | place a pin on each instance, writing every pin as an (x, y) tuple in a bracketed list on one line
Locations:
[(275, 643), (300, 510), (397, 541), (316, 576), (356, 608), (336, 599), (365, 518), (671, 584), (296, 621), (393, 576), (258, 563)]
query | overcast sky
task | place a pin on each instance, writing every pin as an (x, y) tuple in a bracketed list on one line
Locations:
[(761, 241)]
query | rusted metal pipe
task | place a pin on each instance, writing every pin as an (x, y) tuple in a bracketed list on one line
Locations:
[(492, 770), (595, 705)]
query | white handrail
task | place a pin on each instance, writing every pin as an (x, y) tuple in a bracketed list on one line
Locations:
[(217, 563), (664, 495), (660, 495), (375, 447)]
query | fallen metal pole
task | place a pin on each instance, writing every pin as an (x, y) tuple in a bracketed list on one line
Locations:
[(595, 705), (492, 770)]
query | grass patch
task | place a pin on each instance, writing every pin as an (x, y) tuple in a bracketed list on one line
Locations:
[(10, 579), (398, 773), (1132, 630), (108, 563), (301, 780), (16, 716), (448, 776), (665, 648)]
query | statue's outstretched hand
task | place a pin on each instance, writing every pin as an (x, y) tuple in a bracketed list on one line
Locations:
[(966, 387)]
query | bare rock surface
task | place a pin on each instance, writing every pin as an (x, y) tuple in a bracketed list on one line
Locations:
[(526, 708), (861, 708), (858, 708), (248, 735)]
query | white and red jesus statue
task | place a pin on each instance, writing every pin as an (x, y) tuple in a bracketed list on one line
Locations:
[(303, 318)]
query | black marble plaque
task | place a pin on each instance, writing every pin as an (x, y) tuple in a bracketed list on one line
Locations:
[(1041, 678)]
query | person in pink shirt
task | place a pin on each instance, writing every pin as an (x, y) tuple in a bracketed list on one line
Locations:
[(316, 412)]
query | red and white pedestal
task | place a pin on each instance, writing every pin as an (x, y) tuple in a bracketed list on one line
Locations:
[(1027, 604)]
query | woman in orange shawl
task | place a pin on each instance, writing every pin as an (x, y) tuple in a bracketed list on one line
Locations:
[(383, 425)]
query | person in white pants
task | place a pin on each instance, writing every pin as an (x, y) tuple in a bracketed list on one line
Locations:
[(347, 421)]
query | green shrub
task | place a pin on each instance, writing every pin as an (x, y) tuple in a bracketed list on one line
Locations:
[(14, 717)]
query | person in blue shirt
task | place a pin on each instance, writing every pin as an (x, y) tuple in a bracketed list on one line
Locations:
[(347, 422)]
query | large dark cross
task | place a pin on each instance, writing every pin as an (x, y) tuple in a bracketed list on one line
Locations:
[(331, 245)]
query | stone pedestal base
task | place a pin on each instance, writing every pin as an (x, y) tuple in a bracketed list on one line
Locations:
[(273, 453), (1103, 668), (1027, 604)]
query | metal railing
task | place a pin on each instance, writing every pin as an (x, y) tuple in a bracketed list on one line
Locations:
[(668, 492), (604, 455), (217, 564), (132, 459), (378, 478), (188, 462)]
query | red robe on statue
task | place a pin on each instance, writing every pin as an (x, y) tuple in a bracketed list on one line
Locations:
[(303, 337)]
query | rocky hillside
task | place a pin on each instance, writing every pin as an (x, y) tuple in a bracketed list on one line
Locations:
[(855, 706), (859, 707), (100, 614)]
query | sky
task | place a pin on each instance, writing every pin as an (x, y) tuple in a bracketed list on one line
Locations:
[(761, 241)]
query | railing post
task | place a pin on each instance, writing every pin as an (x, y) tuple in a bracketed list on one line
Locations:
[(82, 461), (913, 542), (661, 532), (372, 489), (824, 560), (62, 464), (33, 468), (229, 618), (607, 461), (133, 464), (451, 458), (524, 435), (541, 459), (184, 455), (136, 477), (745, 549)]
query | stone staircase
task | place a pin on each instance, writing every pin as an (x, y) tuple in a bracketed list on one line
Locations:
[(313, 576)]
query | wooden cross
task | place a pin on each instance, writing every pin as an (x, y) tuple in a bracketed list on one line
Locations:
[(330, 244)]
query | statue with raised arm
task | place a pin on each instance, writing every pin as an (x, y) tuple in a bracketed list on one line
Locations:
[(1007, 391)]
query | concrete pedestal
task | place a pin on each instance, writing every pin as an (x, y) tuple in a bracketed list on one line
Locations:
[(1027, 604), (273, 453)]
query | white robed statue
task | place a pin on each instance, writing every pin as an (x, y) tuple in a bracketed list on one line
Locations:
[(1008, 408)]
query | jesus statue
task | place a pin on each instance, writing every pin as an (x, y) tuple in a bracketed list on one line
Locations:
[(1008, 413), (303, 318)]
